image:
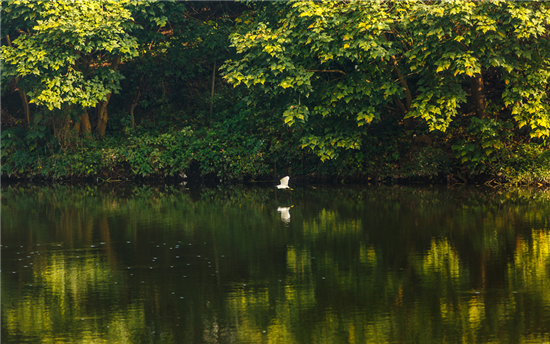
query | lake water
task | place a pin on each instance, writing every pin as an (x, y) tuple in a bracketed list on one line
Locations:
[(386, 264)]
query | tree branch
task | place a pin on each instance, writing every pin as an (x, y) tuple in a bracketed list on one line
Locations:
[(22, 93), (400, 105), (326, 71), (402, 80)]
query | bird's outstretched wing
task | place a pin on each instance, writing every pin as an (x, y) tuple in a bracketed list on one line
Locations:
[(284, 181)]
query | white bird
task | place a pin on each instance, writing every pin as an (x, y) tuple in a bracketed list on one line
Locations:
[(284, 183), (285, 213)]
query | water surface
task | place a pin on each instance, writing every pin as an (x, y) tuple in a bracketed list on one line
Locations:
[(128, 264)]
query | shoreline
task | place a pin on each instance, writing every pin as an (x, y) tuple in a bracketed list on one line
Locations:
[(309, 180)]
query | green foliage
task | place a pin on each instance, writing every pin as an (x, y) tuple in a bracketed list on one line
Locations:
[(173, 74), (483, 140), (324, 88), (525, 164), (225, 151), (429, 162), (334, 67), (299, 56), (457, 40), (64, 57)]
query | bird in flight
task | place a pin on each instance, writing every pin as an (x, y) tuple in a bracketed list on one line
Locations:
[(284, 183)]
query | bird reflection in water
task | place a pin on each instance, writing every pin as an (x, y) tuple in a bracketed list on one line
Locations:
[(285, 213)]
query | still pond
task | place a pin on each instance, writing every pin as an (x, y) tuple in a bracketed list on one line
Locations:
[(253, 264)]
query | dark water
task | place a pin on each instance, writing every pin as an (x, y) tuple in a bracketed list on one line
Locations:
[(122, 264)]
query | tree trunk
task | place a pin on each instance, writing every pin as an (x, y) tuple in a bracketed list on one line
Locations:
[(85, 126), (403, 83), (212, 96), (22, 93), (25, 105), (408, 123), (399, 104), (132, 116), (405, 108), (102, 116), (478, 95), (134, 104), (76, 127)]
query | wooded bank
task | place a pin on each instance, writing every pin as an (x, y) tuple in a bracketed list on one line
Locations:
[(371, 91)]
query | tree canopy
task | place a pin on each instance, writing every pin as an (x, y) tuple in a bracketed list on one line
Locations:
[(342, 65), (70, 51), (378, 88)]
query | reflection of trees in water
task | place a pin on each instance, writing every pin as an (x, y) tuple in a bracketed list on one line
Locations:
[(58, 302), (529, 272), (382, 264)]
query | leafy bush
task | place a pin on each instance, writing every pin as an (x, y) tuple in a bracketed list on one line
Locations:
[(525, 164), (429, 162), (483, 140)]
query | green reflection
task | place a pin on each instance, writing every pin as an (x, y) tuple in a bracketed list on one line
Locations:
[(57, 307), (133, 264), (530, 269)]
